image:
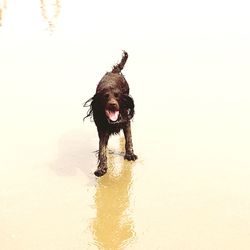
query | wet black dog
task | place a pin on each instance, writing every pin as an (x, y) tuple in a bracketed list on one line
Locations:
[(112, 109)]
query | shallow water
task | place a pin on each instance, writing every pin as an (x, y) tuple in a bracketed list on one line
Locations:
[(189, 189)]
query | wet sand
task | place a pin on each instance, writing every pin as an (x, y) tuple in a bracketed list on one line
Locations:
[(189, 189)]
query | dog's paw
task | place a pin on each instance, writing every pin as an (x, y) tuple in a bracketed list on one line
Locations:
[(100, 171), (130, 156)]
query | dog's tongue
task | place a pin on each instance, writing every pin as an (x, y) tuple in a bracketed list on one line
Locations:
[(113, 115)]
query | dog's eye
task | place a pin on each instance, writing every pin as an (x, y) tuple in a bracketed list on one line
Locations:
[(116, 95), (106, 95)]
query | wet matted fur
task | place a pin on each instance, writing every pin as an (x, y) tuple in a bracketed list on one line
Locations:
[(112, 109)]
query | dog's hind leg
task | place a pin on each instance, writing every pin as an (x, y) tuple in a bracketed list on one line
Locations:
[(129, 155), (102, 155)]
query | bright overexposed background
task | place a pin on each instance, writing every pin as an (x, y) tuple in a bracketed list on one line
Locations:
[(188, 71)]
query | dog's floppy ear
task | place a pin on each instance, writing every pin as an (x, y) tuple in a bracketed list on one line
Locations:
[(92, 103), (128, 104)]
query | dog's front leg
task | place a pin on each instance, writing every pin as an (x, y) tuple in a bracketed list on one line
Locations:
[(129, 155), (102, 155)]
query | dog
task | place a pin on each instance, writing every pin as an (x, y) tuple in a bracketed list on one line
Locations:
[(112, 109)]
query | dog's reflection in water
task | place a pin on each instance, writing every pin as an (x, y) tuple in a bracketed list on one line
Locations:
[(113, 227)]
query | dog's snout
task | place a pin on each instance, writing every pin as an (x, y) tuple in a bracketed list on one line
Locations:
[(113, 105)]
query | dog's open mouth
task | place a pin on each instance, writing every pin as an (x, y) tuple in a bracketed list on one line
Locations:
[(112, 115)]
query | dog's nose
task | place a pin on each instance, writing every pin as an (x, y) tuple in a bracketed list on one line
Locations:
[(112, 105)]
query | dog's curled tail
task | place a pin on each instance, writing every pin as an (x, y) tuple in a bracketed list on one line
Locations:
[(118, 67)]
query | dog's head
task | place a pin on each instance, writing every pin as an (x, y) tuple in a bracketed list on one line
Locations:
[(111, 105)]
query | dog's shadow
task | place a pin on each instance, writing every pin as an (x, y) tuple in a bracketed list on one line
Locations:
[(74, 153), (77, 153)]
